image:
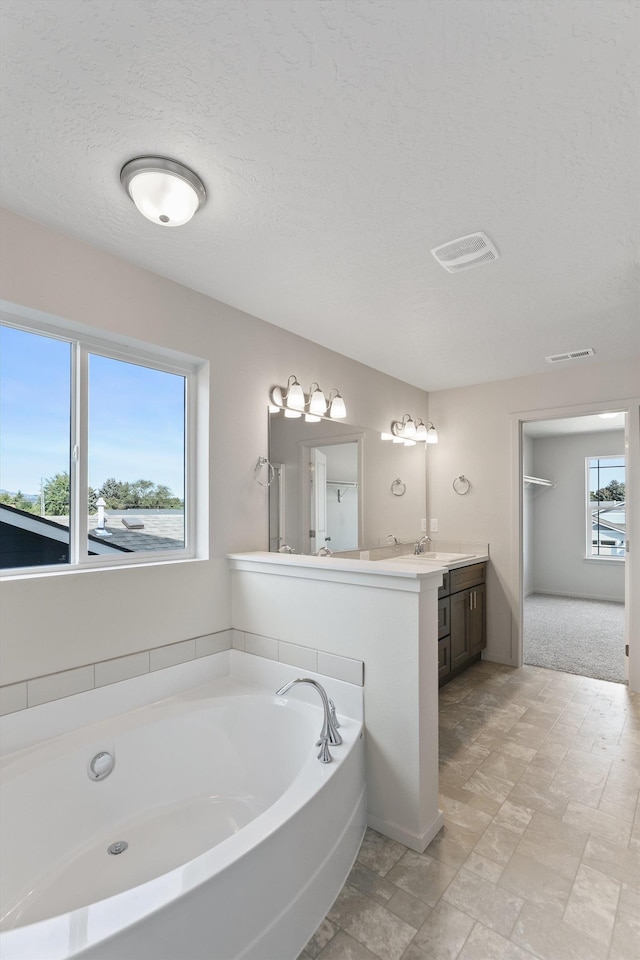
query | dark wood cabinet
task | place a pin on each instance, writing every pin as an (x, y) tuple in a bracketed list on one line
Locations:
[(466, 618)]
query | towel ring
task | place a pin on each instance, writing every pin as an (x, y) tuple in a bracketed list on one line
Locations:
[(398, 488), (260, 463), (461, 485)]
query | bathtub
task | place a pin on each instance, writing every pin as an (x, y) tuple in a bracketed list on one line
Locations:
[(239, 839)]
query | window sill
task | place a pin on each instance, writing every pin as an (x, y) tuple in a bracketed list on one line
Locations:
[(604, 559)]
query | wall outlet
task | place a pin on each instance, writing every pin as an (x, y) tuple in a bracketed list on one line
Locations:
[(434, 526), (423, 525)]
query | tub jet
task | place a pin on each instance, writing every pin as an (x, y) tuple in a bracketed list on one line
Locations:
[(118, 847)]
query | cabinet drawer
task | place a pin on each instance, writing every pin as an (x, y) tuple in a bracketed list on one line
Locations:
[(444, 616), (469, 576)]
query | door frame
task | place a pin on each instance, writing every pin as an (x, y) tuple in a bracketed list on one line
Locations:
[(631, 408), (305, 447)]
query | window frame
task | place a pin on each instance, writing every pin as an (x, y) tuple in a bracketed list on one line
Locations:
[(84, 343), (589, 554)]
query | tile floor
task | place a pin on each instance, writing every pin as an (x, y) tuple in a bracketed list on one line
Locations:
[(540, 853)]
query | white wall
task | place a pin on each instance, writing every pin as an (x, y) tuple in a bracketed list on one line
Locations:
[(527, 517), (56, 622), (477, 438), (559, 519)]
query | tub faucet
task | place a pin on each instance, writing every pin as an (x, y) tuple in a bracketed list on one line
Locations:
[(421, 544), (329, 733)]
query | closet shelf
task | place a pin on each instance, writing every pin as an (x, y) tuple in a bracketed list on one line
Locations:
[(538, 481)]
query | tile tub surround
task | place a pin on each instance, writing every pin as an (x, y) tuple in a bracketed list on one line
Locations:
[(382, 614), (31, 693), (539, 858)]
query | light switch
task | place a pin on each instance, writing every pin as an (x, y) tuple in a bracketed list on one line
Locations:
[(423, 525), (434, 526)]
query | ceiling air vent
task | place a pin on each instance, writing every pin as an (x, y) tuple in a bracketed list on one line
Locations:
[(572, 355), (465, 252)]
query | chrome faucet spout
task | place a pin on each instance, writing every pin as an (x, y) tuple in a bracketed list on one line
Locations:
[(329, 733), (421, 544)]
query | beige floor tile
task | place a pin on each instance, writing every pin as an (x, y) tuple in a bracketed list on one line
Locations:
[(452, 845), (513, 817), (497, 843), (550, 938), (371, 883), (488, 785), (344, 947), (325, 932), (553, 844), (380, 931), (598, 822), (482, 867), (408, 908), (614, 860), (533, 792), (503, 766), (593, 903), (485, 944), (421, 876), (465, 816), (495, 907), (567, 786), (379, 853), (536, 882), (444, 932)]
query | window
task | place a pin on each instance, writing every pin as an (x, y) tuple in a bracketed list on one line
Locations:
[(606, 518), (93, 452)]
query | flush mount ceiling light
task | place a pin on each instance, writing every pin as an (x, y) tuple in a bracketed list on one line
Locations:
[(164, 191)]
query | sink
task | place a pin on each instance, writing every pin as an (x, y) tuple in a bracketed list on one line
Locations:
[(444, 557), (436, 557)]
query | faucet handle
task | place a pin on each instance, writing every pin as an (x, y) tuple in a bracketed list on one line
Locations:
[(324, 756), (332, 708)]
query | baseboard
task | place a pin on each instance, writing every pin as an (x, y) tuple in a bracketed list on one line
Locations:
[(415, 841), (574, 596)]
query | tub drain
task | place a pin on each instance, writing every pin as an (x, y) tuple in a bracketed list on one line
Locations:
[(119, 847)]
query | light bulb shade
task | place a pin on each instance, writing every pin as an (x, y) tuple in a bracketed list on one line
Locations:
[(432, 435), (409, 429), (164, 191), (421, 431), (311, 418), (409, 443), (317, 401), (295, 395), (292, 414), (337, 410)]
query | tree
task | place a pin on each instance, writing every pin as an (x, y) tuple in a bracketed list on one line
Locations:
[(20, 502), (615, 490), (56, 495)]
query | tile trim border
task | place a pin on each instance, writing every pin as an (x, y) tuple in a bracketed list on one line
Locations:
[(66, 683)]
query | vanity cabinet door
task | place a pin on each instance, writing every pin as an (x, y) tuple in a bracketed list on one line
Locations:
[(460, 640), (477, 620), (444, 617), (444, 657)]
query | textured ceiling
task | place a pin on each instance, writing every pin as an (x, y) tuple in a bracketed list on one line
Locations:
[(340, 142)]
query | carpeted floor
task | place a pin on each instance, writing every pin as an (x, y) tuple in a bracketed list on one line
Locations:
[(576, 636)]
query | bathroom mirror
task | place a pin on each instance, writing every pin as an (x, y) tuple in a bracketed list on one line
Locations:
[(333, 486)]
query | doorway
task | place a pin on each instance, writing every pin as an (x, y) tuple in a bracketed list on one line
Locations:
[(573, 539)]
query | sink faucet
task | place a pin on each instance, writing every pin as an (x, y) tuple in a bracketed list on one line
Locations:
[(329, 733), (324, 552), (391, 539), (421, 544)]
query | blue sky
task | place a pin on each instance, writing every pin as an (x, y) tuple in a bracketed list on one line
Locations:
[(136, 417)]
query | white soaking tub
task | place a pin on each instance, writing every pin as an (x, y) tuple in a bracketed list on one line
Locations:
[(238, 838)]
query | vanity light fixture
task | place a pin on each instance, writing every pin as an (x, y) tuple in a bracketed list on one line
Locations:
[(409, 431), (293, 402), (164, 191)]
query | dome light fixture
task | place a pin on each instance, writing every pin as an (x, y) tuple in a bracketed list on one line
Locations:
[(164, 191)]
